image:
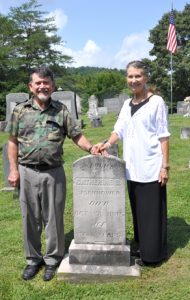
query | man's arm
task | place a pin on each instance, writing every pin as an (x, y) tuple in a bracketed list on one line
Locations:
[(81, 141), (12, 151)]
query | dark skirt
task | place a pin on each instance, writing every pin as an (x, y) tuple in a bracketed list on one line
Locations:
[(149, 209)]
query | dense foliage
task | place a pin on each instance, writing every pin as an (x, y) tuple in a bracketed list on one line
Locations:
[(160, 66), (27, 39), (103, 83)]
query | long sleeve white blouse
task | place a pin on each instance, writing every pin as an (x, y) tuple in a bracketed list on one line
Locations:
[(141, 135)]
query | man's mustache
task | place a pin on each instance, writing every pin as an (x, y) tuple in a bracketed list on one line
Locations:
[(43, 90)]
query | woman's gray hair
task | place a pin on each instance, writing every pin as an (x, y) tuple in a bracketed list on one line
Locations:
[(138, 64)]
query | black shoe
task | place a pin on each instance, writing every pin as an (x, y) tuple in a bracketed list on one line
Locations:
[(49, 272), (140, 262), (30, 271), (143, 263)]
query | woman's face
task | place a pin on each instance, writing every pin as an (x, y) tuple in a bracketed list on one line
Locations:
[(136, 80)]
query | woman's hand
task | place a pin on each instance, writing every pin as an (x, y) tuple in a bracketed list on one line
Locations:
[(101, 148), (164, 176)]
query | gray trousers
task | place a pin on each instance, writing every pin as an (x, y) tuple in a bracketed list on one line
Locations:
[(42, 199)]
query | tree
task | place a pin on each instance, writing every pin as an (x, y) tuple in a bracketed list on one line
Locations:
[(102, 83), (27, 39), (160, 65), (35, 39), (6, 50)]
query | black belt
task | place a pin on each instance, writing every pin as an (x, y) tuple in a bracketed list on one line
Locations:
[(39, 167)]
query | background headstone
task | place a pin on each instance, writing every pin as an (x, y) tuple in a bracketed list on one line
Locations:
[(93, 112), (92, 107), (182, 107), (102, 111), (187, 101), (3, 125), (6, 169), (71, 100), (12, 99), (185, 133), (115, 104)]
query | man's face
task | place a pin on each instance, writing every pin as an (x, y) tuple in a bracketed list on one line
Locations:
[(41, 88)]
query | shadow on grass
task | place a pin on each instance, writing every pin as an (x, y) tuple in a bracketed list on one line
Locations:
[(178, 234), (68, 238)]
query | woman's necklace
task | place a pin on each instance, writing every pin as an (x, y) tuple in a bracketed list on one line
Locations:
[(142, 98)]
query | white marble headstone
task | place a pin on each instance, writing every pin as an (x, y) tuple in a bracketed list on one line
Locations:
[(99, 200)]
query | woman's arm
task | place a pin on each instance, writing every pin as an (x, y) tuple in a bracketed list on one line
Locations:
[(164, 172)]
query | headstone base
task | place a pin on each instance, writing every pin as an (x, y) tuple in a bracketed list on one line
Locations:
[(97, 254), (75, 273), (96, 122), (91, 262)]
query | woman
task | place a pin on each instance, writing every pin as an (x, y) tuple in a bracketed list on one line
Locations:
[(143, 126)]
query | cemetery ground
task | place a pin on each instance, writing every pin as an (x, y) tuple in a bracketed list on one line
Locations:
[(171, 280)]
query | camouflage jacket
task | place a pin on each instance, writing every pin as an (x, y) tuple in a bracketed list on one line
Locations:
[(41, 133)]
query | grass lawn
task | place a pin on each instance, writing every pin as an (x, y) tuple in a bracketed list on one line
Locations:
[(171, 280)]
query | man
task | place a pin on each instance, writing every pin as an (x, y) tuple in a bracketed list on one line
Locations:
[(38, 128)]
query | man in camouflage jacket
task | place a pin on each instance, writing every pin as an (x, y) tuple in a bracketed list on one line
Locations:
[(38, 128)]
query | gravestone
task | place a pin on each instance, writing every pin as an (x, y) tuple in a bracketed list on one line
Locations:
[(99, 249), (12, 99), (113, 150), (185, 133), (70, 99), (112, 105), (3, 125), (6, 169), (182, 107), (115, 104), (102, 111), (93, 112), (187, 101)]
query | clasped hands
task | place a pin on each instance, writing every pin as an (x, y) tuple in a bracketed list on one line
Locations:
[(100, 149)]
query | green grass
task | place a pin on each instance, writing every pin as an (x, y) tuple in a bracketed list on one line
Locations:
[(171, 280)]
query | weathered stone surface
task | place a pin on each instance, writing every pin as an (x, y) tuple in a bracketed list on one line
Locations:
[(94, 273), (12, 99), (90, 254), (99, 250), (99, 200)]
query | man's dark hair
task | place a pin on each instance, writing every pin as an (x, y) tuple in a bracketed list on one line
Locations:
[(42, 72)]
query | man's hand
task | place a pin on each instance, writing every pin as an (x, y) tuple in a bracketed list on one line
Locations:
[(14, 178), (95, 150), (101, 149)]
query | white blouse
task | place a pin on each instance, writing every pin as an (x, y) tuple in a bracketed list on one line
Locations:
[(141, 133)]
